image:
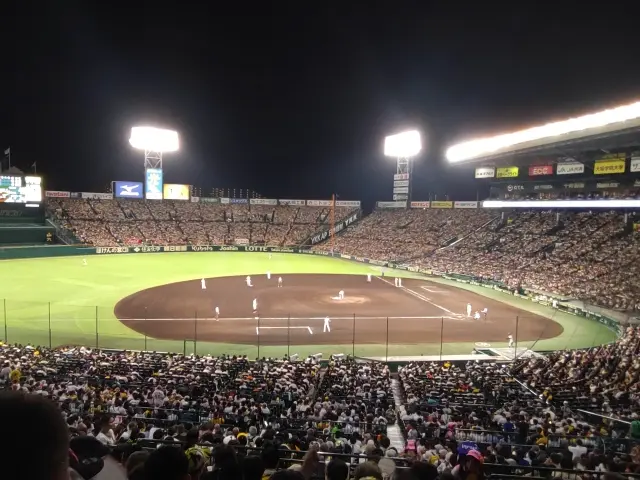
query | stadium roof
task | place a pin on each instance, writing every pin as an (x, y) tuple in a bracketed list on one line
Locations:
[(614, 129)]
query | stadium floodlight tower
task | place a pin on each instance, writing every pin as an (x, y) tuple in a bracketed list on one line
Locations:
[(154, 142), (403, 147)]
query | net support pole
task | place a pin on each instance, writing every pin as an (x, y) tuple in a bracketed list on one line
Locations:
[(289, 336), (441, 335), (386, 354), (515, 344), (258, 332), (195, 333), (97, 342), (49, 324), (353, 338), (6, 337)]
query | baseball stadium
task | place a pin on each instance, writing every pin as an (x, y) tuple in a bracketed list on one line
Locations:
[(524, 298)]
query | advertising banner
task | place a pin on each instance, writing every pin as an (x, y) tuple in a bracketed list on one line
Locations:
[(401, 190), (96, 196), (263, 201), (319, 203), (507, 172), (543, 187), (515, 188), (607, 185), (575, 185), (391, 204), (536, 170), (348, 203), (209, 200), (465, 205), (400, 197), (338, 227), (173, 191), (292, 202), (128, 190), (485, 172), (636, 184), (401, 176), (569, 168), (240, 200), (437, 204), (419, 205), (153, 180), (401, 183), (225, 201), (195, 199), (74, 195), (56, 194), (635, 162), (607, 167)]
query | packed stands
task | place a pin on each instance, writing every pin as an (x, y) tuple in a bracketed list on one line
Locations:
[(121, 222), (270, 412), (588, 255)]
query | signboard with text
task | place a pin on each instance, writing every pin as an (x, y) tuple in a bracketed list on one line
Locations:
[(153, 183), (507, 172), (537, 170)]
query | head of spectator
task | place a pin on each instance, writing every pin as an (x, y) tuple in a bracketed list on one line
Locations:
[(368, 471), (337, 469), (252, 468), (25, 416), (167, 463)]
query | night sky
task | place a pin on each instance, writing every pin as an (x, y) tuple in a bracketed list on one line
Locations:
[(294, 100)]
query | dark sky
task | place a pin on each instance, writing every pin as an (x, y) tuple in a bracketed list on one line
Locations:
[(294, 100)]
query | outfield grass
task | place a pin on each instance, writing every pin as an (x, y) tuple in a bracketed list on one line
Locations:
[(60, 301)]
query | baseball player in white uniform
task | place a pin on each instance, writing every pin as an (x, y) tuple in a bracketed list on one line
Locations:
[(327, 325), (476, 316), (268, 275), (396, 281), (249, 281), (484, 312), (341, 295), (369, 277), (279, 282), (255, 305), (399, 282), (510, 338), (468, 309), (269, 255), (217, 310), (203, 284), (84, 262)]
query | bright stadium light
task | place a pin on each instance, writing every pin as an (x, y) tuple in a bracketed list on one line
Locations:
[(614, 119), (154, 142), (561, 204), (403, 145)]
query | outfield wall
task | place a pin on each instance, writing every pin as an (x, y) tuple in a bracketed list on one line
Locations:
[(70, 250)]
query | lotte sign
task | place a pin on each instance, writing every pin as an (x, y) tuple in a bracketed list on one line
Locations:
[(540, 170)]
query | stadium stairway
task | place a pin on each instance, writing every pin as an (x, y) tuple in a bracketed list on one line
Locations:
[(393, 431)]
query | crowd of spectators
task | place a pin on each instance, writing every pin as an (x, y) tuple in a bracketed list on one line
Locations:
[(121, 222), (588, 255), (151, 415)]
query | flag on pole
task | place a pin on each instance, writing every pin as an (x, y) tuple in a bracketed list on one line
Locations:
[(7, 151)]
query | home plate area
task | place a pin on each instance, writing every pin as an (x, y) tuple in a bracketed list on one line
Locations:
[(371, 312)]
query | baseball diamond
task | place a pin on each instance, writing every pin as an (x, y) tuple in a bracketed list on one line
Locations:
[(415, 311)]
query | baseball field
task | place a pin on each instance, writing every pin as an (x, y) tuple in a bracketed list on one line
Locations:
[(156, 302)]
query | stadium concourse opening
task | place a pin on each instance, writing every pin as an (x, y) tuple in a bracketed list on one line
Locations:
[(371, 312)]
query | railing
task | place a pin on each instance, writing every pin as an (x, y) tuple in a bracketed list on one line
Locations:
[(496, 471), (55, 324)]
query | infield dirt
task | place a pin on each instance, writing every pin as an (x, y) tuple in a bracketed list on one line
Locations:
[(371, 313)]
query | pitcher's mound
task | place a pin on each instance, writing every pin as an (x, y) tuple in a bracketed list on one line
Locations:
[(351, 300)]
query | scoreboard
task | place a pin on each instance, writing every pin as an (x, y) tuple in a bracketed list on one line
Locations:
[(18, 189)]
